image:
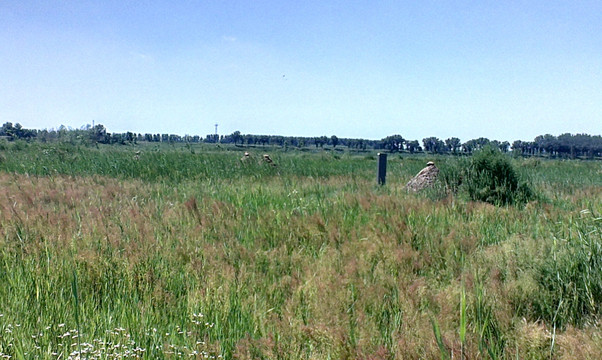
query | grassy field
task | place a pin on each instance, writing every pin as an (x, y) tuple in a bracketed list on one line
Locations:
[(186, 252)]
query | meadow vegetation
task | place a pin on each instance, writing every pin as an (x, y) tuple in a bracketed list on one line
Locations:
[(187, 252)]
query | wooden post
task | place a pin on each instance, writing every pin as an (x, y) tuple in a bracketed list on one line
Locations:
[(382, 168)]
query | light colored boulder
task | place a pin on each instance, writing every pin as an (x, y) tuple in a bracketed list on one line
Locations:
[(424, 179)]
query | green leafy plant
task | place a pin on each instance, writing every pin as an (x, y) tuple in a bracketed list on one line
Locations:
[(488, 176), (492, 178)]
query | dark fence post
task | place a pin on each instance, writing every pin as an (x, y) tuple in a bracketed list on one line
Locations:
[(382, 168)]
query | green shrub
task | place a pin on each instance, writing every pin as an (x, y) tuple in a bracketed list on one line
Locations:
[(487, 176), (490, 177)]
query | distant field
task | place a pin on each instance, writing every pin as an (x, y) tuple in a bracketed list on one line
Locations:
[(166, 252)]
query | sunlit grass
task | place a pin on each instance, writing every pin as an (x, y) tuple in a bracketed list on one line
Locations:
[(193, 254)]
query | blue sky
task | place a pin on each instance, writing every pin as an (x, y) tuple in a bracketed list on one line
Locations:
[(505, 70)]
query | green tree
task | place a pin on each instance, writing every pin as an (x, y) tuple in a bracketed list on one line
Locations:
[(413, 146), (7, 129), (504, 146), (393, 143), (99, 134), (453, 144), (236, 137), (334, 140), (433, 145)]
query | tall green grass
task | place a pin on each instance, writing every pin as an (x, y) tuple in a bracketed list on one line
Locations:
[(189, 253), (570, 278), (158, 164)]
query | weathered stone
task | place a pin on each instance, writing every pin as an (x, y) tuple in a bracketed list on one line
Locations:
[(246, 157), (424, 179), (268, 160)]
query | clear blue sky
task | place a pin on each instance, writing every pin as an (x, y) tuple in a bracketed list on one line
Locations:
[(505, 70)]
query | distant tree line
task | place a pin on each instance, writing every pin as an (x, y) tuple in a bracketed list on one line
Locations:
[(89, 134), (565, 145)]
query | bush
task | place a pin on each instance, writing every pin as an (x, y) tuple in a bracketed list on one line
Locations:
[(487, 176), (490, 177)]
